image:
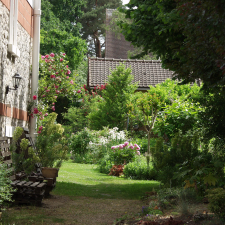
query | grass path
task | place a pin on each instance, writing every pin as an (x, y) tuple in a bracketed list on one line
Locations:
[(83, 196), (85, 180)]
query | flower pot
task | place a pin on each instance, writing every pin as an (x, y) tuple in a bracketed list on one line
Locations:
[(49, 172)]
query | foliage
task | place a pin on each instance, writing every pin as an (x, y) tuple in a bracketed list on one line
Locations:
[(50, 144), (89, 146), (116, 170), (212, 118), (182, 148), (138, 170), (113, 110), (60, 31), (216, 199), (68, 13), (180, 115), (61, 41), (145, 110), (79, 142), (178, 36), (23, 156), (93, 21), (105, 164), (168, 197), (77, 114), (24, 160), (6, 189)]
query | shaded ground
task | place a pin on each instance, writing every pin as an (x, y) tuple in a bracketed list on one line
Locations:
[(73, 210)]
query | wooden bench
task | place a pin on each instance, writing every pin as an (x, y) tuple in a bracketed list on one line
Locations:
[(29, 192)]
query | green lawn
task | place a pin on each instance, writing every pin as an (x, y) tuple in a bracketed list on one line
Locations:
[(85, 180)]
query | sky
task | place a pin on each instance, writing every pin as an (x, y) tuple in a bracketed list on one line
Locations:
[(125, 1)]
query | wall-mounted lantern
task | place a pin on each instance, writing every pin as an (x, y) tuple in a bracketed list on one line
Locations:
[(16, 81)]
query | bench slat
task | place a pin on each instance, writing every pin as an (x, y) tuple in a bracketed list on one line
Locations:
[(21, 183), (34, 184)]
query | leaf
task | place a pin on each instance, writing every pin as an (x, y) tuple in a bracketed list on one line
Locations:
[(210, 179)]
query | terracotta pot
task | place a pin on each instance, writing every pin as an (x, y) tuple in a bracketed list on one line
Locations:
[(49, 172)]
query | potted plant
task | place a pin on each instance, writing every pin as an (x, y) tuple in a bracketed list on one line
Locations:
[(51, 146)]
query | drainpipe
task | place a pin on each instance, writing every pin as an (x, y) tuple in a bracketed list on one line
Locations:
[(35, 60)]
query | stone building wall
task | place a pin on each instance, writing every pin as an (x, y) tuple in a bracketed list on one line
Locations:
[(13, 106)]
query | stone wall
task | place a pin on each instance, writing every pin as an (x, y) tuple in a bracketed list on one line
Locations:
[(13, 106)]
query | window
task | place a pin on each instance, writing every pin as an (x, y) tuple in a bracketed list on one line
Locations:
[(13, 17)]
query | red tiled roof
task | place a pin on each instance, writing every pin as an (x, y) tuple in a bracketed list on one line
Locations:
[(145, 72)]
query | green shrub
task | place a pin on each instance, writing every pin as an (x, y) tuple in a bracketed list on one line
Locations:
[(78, 143), (143, 143), (5, 187), (216, 199), (105, 164), (50, 144), (138, 170)]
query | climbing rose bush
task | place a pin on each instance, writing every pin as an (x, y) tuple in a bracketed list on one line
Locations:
[(55, 79)]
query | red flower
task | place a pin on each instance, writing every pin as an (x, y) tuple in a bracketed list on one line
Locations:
[(34, 97), (36, 111)]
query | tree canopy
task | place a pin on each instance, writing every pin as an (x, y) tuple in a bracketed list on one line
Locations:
[(93, 23), (187, 35)]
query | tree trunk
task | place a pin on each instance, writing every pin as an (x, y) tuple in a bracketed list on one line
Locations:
[(148, 151), (98, 48)]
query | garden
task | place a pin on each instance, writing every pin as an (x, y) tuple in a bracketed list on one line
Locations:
[(124, 157)]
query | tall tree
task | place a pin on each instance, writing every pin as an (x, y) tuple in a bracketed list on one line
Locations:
[(93, 24), (61, 33)]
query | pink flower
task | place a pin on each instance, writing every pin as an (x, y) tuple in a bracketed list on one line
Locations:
[(138, 153), (57, 91), (126, 143), (113, 147), (71, 82), (53, 103), (121, 146), (57, 73), (39, 131), (35, 111), (52, 76), (68, 72), (43, 96), (46, 114), (79, 91), (56, 86), (46, 56), (34, 97), (64, 54), (138, 148), (41, 127), (52, 54), (67, 77), (131, 146), (53, 108), (67, 66), (42, 57), (56, 97), (48, 90), (61, 59), (40, 113), (46, 60)]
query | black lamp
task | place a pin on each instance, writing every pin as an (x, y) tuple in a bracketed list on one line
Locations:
[(16, 81)]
